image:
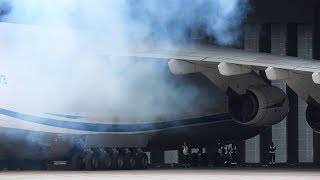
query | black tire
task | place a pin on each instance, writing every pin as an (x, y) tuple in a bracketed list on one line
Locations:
[(77, 161), (105, 162), (142, 161), (129, 162), (91, 162), (117, 161)]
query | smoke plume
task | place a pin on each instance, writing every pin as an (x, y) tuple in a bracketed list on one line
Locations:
[(60, 71)]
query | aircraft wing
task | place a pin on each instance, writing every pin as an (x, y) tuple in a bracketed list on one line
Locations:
[(212, 56), (234, 68)]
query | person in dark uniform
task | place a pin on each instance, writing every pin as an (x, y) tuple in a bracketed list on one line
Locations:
[(234, 155), (229, 154), (219, 154), (226, 155), (199, 156), (272, 153)]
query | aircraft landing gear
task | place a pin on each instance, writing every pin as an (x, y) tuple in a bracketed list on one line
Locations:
[(129, 159), (142, 161), (91, 161), (104, 159), (117, 161)]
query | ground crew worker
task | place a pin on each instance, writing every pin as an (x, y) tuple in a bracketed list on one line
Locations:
[(234, 155), (230, 152), (225, 155), (185, 152), (219, 156), (272, 153), (199, 156)]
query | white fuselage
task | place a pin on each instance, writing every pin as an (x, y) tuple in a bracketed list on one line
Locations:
[(55, 90)]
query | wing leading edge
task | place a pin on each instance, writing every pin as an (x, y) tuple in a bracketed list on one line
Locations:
[(302, 75), (212, 56)]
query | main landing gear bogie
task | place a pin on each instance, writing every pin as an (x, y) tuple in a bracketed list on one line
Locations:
[(116, 159)]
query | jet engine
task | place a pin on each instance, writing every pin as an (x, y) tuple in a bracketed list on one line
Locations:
[(261, 106), (313, 116)]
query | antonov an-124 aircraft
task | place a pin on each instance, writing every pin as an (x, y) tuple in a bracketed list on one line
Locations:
[(31, 130)]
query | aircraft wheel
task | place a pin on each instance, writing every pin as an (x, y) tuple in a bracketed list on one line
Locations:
[(142, 161), (91, 162), (130, 162), (77, 161), (117, 161), (105, 161)]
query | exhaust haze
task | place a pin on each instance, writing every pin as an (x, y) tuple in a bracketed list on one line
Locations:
[(60, 72)]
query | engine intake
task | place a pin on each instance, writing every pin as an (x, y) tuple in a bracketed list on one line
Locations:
[(261, 106), (313, 117)]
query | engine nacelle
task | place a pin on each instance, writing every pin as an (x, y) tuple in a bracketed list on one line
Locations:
[(313, 117), (261, 106)]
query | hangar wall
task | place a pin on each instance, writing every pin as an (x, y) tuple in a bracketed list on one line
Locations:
[(272, 38), (293, 28), (252, 43), (278, 35), (305, 133)]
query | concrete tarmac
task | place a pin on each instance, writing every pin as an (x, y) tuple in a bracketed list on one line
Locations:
[(164, 174)]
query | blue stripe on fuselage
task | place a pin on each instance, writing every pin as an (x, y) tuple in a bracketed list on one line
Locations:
[(67, 116), (114, 127)]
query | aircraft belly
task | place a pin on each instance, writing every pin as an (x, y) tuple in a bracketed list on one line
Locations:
[(34, 145), (45, 137), (43, 145), (117, 140), (203, 135)]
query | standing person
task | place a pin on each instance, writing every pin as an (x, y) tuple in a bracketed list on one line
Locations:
[(199, 156), (185, 152), (225, 154), (230, 150), (272, 153), (219, 156), (234, 154)]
